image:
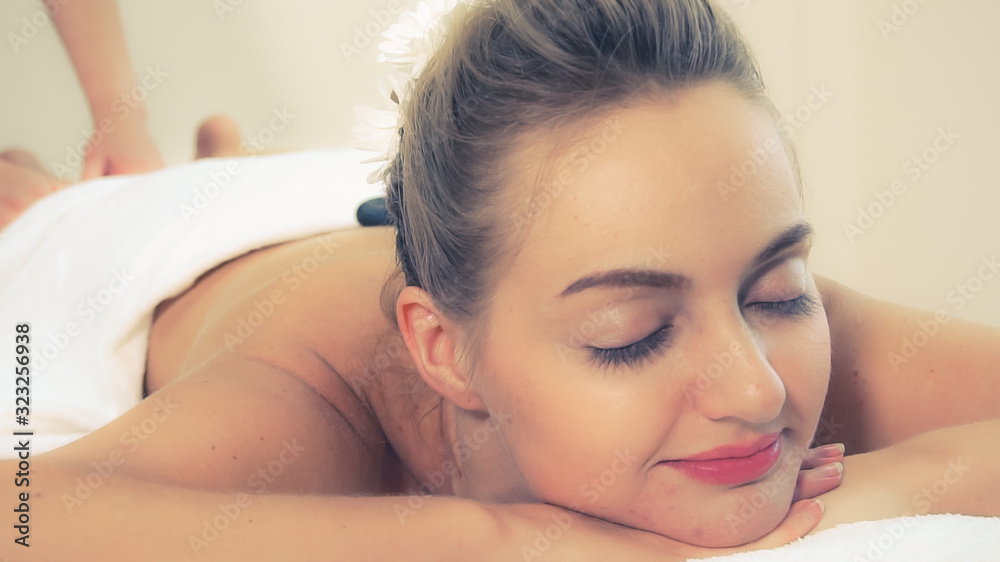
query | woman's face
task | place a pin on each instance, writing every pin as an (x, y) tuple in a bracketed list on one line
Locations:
[(658, 342)]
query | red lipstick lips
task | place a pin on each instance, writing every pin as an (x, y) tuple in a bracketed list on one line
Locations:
[(730, 465)]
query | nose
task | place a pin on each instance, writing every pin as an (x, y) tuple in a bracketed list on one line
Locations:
[(733, 378)]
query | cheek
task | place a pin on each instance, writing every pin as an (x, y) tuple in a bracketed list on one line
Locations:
[(801, 356), (572, 426)]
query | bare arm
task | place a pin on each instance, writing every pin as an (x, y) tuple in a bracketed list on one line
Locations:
[(949, 470), (899, 371), (134, 519), (218, 467), (212, 465), (92, 34)]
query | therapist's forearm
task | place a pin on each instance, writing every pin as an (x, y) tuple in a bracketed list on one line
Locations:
[(91, 30)]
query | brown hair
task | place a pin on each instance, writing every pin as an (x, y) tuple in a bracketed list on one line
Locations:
[(510, 67)]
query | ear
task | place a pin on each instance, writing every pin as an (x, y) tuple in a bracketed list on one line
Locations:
[(431, 339)]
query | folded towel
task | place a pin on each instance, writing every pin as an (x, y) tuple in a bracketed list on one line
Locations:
[(86, 266), (923, 538)]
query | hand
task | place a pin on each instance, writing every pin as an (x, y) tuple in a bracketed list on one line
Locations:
[(575, 536), (127, 149), (948, 470), (558, 534), (822, 470)]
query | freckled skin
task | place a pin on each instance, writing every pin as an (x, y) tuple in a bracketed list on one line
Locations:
[(656, 188)]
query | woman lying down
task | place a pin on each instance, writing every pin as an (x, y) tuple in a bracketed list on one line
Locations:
[(554, 351)]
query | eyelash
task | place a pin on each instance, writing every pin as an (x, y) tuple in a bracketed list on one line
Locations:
[(633, 354), (802, 306)]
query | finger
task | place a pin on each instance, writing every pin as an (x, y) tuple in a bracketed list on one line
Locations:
[(21, 187), (826, 454), (814, 482), (801, 518), (93, 166)]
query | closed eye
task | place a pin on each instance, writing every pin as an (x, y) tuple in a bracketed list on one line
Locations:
[(802, 306), (632, 354)]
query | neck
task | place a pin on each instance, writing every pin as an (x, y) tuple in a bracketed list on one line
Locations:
[(438, 448), (480, 449)]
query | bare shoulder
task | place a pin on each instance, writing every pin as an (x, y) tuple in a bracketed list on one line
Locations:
[(898, 371), (257, 399)]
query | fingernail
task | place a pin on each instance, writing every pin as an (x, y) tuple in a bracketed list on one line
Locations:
[(815, 510), (832, 470), (820, 507), (832, 450)]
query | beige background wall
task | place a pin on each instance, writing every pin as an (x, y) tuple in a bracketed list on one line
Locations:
[(892, 91)]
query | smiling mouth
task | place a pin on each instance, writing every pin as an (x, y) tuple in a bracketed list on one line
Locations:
[(725, 468)]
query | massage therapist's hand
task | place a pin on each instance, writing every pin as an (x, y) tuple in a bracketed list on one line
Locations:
[(20, 188), (127, 149)]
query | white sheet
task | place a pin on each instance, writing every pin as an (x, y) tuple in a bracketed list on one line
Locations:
[(924, 538)]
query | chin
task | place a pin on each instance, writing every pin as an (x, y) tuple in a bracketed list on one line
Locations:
[(724, 519)]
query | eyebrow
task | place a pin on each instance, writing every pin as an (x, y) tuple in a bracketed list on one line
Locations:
[(791, 236), (795, 234)]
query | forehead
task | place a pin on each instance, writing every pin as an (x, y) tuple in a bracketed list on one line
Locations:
[(699, 174)]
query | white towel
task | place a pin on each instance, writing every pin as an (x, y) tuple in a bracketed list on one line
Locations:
[(924, 538), (86, 266)]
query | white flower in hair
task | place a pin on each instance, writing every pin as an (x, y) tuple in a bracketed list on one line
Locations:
[(409, 45)]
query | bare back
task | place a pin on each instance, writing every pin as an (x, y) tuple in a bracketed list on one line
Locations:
[(282, 354)]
